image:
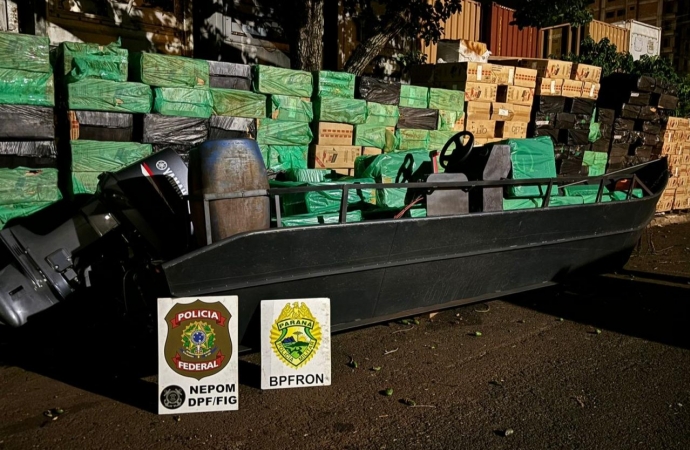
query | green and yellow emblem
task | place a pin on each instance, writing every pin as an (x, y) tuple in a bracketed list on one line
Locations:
[(295, 335)]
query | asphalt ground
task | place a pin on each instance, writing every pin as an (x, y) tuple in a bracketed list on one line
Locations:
[(602, 362)]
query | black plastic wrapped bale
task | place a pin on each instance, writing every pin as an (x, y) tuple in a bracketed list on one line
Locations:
[(230, 75), (601, 145), (623, 125), (624, 137), (606, 116), (418, 119), (648, 113), (28, 149), (546, 104), (30, 123), (580, 106), (630, 111), (649, 139), (639, 98), (182, 150), (233, 169), (544, 120), (574, 137), (644, 151), (222, 127), (619, 150), (553, 134), (565, 121), (651, 127), (606, 131), (378, 91), (100, 126), (664, 101), (159, 129)]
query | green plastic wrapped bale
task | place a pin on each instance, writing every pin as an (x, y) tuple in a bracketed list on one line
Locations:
[(417, 213), (84, 182), (292, 109), (382, 115), (532, 158), (109, 96), (168, 71), (110, 60), (98, 156), (183, 102), (340, 110), (334, 84), (113, 68), (24, 185), (236, 103), (512, 204), (284, 158), (17, 210), (408, 139), (596, 161), (308, 175), (446, 99), (20, 87), (324, 201), (374, 136), (447, 120), (438, 139), (414, 96), (280, 132), (25, 52), (320, 219), (385, 169), (276, 80)]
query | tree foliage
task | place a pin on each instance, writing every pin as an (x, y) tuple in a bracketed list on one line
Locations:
[(547, 13)]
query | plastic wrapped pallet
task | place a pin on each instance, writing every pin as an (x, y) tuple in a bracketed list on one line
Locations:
[(21, 87), (26, 185), (95, 156), (340, 110), (386, 168), (382, 115), (100, 126), (320, 219), (410, 139), (319, 202), (108, 62), (103, 95), (446, 99), (168, 71), (159, 129), (414, 96), (438, 139), (225, 75), (374, 136), (532, 158), (334, 84), (183, 102), (25, 52), (418, 118), (235, 103), (224, 127), (378, 91), (276, 80), (279, 132), (18, 122), (293, 109), (284, 158)]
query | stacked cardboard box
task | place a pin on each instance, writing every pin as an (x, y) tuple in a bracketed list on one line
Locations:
[(28, 174), (676, 147)]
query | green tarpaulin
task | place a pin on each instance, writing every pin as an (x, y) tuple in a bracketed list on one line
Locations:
[(334, 84), (382, 115), (183, 102), (276, 80), (414, 96), (292, 109), (446, 99), (84, 182), (24, 185), (17, 210), (97, 156), (374, 136), (408, 139), (25, 52), (283, 158), (340, 110), (236, 103), (386, 168), (320, 219), (532, 158), (168, 71), (20, 87), (111, 96), (324, 201), (280, 132)]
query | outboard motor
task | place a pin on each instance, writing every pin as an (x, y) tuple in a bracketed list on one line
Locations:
[(145, 203)]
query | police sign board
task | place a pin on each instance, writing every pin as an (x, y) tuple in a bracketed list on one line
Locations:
[(295, 343), (197, 354)]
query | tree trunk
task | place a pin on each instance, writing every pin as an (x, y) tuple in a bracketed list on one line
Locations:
[(370, 49), (306, 45)]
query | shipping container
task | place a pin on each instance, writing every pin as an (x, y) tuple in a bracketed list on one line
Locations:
[(564, 39), (644, 39), (463, 25), (504, 39), (618, 36)]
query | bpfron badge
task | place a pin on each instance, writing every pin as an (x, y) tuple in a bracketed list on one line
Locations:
[(295, 335)]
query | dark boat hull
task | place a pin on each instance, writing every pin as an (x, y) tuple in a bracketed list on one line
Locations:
[(379, 270)]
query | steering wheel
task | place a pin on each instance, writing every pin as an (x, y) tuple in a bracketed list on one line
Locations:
[(460, 154)]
